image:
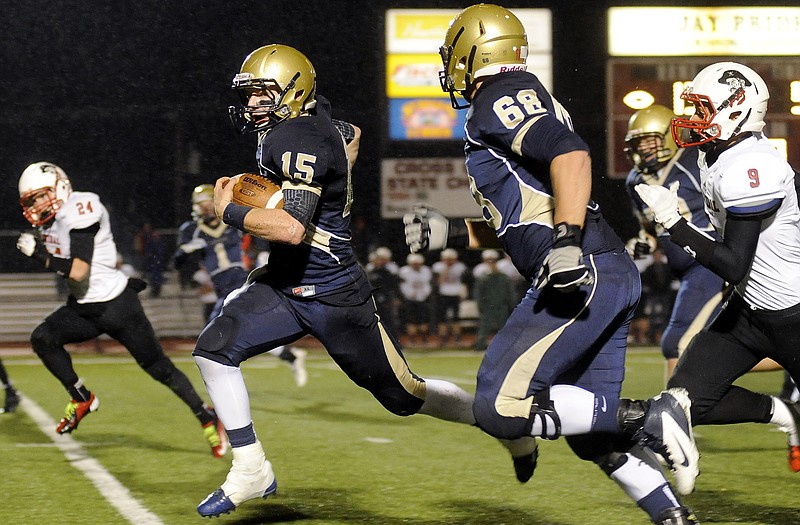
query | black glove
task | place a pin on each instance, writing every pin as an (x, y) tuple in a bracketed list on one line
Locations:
[(563, 268)]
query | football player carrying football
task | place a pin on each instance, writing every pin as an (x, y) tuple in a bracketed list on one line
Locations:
[(220, 247), (557, 365), (313, 284), (751, 197), (74, 240)]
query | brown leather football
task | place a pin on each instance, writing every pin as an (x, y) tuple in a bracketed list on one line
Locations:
[(257, 192)]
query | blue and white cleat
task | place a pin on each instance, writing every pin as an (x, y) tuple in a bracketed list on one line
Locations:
[(667, 431), (250, 477)]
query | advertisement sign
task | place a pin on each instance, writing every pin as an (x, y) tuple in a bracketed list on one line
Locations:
[(441, 183)]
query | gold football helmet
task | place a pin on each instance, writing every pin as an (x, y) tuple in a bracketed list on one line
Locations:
[(202, 193), (649, 142), (282, 71), (482, 40)]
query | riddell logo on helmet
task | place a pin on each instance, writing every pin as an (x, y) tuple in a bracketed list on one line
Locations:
[(516, 67)]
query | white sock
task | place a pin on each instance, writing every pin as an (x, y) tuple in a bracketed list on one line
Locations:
[(225, 386), (638, 479), (444, 400), (783, 418), (575, 409)]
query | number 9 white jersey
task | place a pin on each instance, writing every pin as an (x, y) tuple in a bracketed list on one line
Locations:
[(745, 179)]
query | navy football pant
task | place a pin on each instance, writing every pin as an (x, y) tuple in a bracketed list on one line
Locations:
[(258, 318), (553, 338)]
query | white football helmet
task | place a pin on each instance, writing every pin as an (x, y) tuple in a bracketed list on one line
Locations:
[(43, 189), (728, 98)]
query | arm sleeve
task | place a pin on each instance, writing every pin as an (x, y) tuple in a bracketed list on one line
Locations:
[(730, 258), (82, 242)]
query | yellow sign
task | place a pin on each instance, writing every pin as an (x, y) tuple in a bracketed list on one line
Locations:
[(413, 76), (703, 31)]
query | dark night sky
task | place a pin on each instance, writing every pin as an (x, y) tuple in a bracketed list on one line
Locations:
[(117, 93)]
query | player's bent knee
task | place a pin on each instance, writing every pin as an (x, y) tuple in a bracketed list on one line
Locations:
[(216, 340), (604, 453), (43, 339), (490, 421), (398, 402)]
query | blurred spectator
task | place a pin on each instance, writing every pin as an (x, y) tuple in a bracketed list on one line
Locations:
[(450, 290), (659, 295), (382, 273), (496, 298), (416, 287), (153, 251)]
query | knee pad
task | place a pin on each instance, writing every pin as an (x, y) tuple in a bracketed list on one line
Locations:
[(606, 451), (398, 401), (161, 370), (216, 339), (43, 339)]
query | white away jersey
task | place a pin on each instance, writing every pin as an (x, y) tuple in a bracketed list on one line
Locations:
[(82, 210), (745, 179)]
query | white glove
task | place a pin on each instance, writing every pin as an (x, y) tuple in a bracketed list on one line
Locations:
[(192, 246), (26, 244), (425, 229), (564, 270), (662, 202)]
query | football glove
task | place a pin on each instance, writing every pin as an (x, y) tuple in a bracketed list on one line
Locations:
[(31, 246), (662, 202), (639, 246), (563, 268), (425, 229)]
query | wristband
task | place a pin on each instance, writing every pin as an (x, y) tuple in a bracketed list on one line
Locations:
[(566, 235), (234, 215), (59, 265), (457, 233)]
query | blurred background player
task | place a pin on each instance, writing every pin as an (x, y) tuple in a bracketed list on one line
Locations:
[(74, 240), (12, 396), (751, 198), (495, 296), (219, 248), (450, 289), (656, 159), (313, 284)]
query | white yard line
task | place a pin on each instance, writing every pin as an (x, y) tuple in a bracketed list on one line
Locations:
[(117, 495)]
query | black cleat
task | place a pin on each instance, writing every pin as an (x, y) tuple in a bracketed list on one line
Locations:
[(524, 466), (677, 516), (12, 400)]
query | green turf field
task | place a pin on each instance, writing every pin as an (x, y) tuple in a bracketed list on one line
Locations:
[(341, 459)]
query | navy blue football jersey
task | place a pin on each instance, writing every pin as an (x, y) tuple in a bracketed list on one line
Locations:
[(515, 128), (681, 168), (222, 255), (308, 153)]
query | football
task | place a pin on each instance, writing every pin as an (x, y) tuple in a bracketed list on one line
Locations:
[(256, 191)]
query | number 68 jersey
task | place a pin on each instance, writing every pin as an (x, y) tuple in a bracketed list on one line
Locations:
[(749, 179), (515, 129), (84, 211)]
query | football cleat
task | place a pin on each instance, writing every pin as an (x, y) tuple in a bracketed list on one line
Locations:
[(667, 430), (250, 477), (793, 435), (75, 412), (215, 433), (676, 516), (298, 367), (12, 400), (524, 466)]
